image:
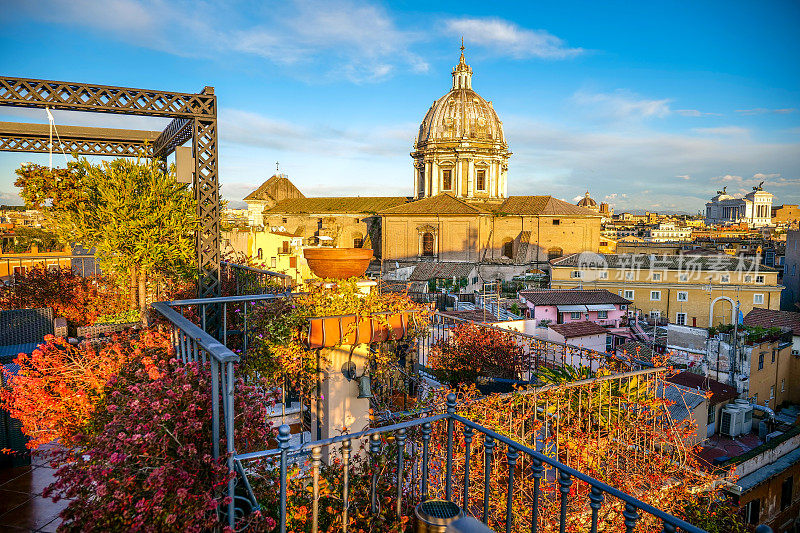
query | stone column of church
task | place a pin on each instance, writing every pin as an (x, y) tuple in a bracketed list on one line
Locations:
[(457, 177), (471, 178), (428, 183), (434, 178)]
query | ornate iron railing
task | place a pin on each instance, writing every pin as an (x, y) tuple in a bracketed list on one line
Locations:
[(537, 352), (411, 447), (422, 473), (251, 280)]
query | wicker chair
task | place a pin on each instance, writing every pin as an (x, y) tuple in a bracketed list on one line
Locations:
[(21, 330)]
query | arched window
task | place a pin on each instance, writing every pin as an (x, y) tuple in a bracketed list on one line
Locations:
[(358, 240), (554, 253), (508, 248), (260, 253), (447, 180), (427, 244)]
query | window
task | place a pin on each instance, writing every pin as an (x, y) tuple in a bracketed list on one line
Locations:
[(725, 278), (761, 361), (712, 413), (260, 254), (656, 276), (683, 277), (783, 385), (752, 510), (755, 398), (508, 248), (285, 247), (447, 180), (760, 279), (575, 315), (786, 492), (273, 262), (427, 244), (683, 296), (655, 296), (773, 356), (655, 315), (293, 261), (758, 298), (748, 278), (284, 220), (576, 274), (602, 314), (556, 222), (680, 319), (358, 240), (475, 280), (480, 180), (772, 392), (628, 294)]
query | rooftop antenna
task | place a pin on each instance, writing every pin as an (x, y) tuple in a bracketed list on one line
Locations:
[(277, 167)]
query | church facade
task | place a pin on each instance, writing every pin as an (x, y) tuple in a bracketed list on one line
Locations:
[(460, 211)]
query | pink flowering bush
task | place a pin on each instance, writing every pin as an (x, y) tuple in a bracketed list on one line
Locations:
[(144, 462)]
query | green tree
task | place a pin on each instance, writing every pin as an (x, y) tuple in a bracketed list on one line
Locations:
[(139, 219)]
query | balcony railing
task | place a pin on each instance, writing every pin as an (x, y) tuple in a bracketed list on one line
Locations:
[(537, 352), (251, 280), (417, 474), (419, 470)]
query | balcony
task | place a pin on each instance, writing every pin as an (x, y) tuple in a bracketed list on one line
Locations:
[(513, 474)]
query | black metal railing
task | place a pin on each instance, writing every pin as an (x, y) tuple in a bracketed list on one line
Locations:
[(418, 474), (537, 353), (250, 280), (411, 449), (82, 265)]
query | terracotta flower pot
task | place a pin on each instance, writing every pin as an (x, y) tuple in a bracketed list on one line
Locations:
[(338, 263), (329, 331)]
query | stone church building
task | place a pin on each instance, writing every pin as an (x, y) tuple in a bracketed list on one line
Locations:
[(460, 210)]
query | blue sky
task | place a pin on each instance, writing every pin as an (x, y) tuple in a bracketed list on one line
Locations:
[(649, 105)]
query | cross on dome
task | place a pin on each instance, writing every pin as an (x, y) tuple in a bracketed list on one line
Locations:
[(462, 74)]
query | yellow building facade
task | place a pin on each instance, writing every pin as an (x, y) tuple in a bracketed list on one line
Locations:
[(697, 291)]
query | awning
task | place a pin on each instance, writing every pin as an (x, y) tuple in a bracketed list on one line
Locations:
[(572, 308), (601, 307)]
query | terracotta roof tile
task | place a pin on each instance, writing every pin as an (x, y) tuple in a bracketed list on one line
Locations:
[(716, 263), (769, 318), (571, 297), (337, 204), (473, 315), (437, 270), (584, 328), (541, 205), (441, 204), (719, 391)]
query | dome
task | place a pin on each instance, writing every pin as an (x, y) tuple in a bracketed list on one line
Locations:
[(461, 114), (587, 201)]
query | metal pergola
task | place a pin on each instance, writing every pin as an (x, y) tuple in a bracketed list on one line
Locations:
[(194, 116)]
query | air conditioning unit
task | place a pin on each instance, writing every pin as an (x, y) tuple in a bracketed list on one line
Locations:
[(747, 412), (731, 424)]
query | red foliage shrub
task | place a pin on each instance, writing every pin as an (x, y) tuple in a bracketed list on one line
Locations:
[(473, 351), (80, 300), (59, 385), (144, 463)]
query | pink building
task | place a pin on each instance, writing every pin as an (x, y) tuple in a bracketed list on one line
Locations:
[(559, 306)]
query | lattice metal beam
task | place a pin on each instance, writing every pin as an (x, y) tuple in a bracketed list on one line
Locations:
[(22, 92), (175, 134), (21, 137), (195, 116)]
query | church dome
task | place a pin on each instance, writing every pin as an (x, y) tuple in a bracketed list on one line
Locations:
[(461, 114), (587, 201)]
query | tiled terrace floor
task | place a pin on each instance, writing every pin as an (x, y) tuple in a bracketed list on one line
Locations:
[(22, 507)]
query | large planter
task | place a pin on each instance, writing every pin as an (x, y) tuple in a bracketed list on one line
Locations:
[(338, 263), (330, 331)]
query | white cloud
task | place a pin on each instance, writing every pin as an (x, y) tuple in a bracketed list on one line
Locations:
[(339, 37), (507, 38), (696, 113), (621, 105), (577, 198), (10, 198), (723, 130), (684, 176), (765, 111)]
